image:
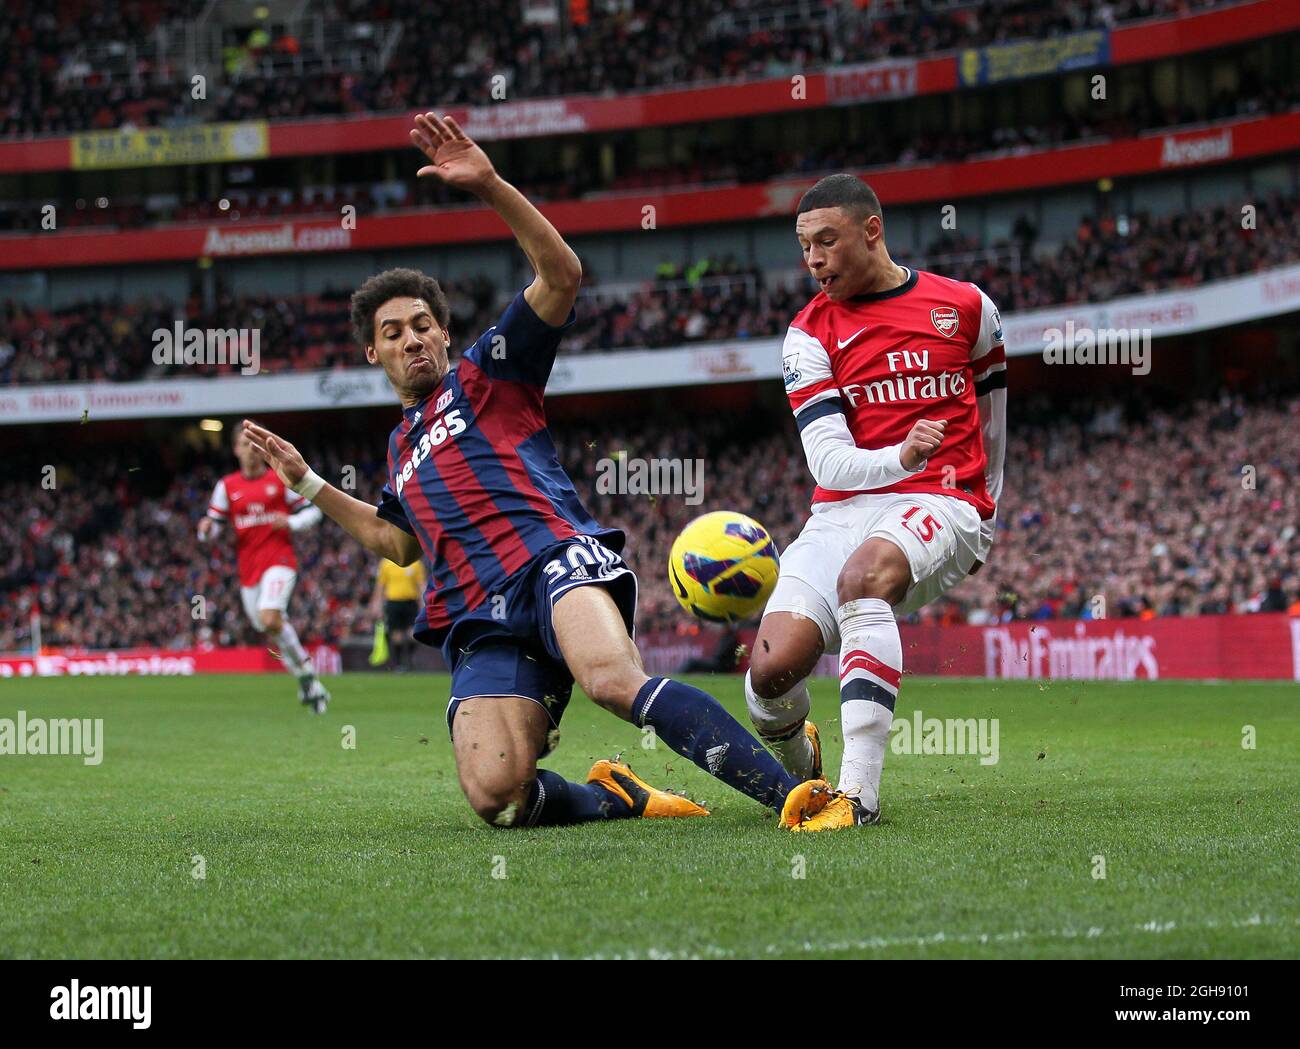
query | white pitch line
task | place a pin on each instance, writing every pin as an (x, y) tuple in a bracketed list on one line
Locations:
[(880, 943)]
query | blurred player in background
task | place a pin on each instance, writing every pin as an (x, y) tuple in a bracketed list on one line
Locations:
[(527, 591), (897, 379), (397, 595), (264, 513)]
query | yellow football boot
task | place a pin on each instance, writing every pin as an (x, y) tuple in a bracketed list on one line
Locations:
[(805, 801), (647, 802), (840, 812)]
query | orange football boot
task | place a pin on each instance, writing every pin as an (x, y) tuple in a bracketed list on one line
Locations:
[(647, 802)]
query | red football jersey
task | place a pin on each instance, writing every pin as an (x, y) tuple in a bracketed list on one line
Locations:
[(893, 358), (249, 503)]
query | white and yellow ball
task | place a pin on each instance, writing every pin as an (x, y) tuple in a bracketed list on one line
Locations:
[(723, 567)]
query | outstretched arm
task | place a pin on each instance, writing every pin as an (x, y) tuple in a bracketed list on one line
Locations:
[(358, 519), (457, 160)]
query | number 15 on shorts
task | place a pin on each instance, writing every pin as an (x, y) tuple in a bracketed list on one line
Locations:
[(925, 528)]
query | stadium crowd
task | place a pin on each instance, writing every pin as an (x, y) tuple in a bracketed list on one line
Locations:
[(1148, 507), (1084, 511), (1114, 255), (1110, 256), (51, 83), (256, 196), (1153, 510), (111, 341), (110, 555)]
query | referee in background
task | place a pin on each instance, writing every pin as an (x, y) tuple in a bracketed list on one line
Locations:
[(399, 589)]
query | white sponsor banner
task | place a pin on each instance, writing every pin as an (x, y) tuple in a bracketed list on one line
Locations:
[(1181, 312), (365, 387), (685, 366), (1178, 312), (70, 402)]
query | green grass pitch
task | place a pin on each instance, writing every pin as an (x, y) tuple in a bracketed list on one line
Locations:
[(313, 850)]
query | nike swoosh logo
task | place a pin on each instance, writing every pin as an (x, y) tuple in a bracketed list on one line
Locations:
[(844, 342)]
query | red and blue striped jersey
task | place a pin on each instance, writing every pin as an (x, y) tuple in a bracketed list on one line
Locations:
[(473, 473)]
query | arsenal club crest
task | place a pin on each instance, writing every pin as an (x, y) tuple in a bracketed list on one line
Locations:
[(945, 320)]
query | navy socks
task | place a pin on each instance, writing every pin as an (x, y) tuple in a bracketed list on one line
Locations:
[(554, 800), (696, 726)]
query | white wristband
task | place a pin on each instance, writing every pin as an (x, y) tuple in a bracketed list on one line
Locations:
[(310, 485)]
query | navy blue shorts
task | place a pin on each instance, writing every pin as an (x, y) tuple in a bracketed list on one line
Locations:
[(507, 646)]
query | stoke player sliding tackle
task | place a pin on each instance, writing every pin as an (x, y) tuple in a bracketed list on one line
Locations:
[(526, 591), (264, 513), (897, 379)]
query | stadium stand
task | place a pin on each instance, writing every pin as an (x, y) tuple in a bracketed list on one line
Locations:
[(1110, 256), (1256, 94), (78, 66), (113, 562)]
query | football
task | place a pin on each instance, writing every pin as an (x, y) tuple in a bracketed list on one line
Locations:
[(723, 567)]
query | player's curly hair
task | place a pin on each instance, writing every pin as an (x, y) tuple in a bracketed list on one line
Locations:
[(394, 284)]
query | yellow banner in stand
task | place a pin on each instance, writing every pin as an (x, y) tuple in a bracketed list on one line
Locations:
[(201, 144)]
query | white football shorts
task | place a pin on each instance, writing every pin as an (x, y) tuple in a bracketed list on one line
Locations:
[(273, 590), (940, 535)]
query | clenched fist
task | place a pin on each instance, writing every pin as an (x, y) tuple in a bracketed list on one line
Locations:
[(921, 443)]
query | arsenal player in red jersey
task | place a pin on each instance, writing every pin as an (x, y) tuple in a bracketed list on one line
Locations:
[(897, 380), (264, 513)]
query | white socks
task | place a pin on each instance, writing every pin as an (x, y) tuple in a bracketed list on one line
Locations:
[(294, 655), (780, 724), (871, 666)]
